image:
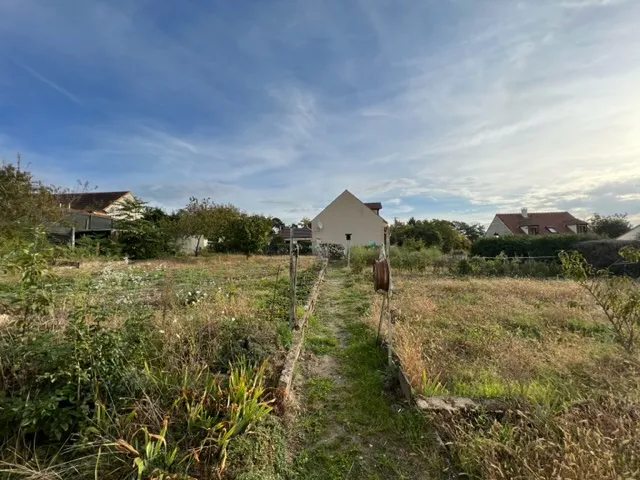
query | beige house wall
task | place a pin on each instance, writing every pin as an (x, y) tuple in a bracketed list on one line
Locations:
[(114, 210), (347, 214), (497, 226)]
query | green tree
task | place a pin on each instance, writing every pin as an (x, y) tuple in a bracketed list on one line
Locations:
[(195, 220), (25, 203), (277, 224), (305, 222), (611, 226), (137, 235), (251, 233), (471, 231)]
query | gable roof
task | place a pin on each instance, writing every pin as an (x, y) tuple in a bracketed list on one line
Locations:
[(90, 200), (302, 233), (633, 234), (347, 192), (560, 221)]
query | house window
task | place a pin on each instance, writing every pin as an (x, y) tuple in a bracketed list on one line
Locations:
[(552, 229), (582, 228), (533, 230)]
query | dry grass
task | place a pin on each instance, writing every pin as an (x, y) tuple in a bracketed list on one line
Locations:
[(542, 345)]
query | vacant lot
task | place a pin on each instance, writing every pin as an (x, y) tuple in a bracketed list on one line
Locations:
[(149, 370), (571, 393)]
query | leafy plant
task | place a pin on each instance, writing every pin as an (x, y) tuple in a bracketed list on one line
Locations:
[(617, 296), (30, 262)]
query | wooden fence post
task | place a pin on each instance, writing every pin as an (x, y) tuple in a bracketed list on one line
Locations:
[(388, 295), (292, 282)]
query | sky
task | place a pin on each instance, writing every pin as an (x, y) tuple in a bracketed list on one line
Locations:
[(452, 109)]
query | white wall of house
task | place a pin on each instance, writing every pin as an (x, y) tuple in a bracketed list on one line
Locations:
[(573, 228), (347, 214), (114, 209), (497, 226), (633, 234), (188, 245)]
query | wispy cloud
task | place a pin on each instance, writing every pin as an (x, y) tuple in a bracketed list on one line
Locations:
[(483, 106), (53, 85)]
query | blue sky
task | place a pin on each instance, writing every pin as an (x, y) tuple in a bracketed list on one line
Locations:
[(438, 108)]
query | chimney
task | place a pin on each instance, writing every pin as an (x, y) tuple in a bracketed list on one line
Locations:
[(525, 212)]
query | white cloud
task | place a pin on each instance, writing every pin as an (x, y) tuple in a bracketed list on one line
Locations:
[(524, 103), (629, 197)]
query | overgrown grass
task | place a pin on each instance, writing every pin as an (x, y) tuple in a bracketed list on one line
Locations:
[(401, 257), (542, 347), (351, 426), (153, 370)]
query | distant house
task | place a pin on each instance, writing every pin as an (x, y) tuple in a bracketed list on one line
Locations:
[(348, 215), (106, 203), (302, 234), (633, 234), (82, 222), (538, 223)]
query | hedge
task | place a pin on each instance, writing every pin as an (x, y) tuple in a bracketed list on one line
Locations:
[(599, 253), (524, 245), (604, 253)]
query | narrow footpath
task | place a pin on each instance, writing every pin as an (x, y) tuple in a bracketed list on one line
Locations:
[(347, 426)]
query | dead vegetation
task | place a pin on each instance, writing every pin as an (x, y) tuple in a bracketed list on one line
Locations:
[(542, 346)]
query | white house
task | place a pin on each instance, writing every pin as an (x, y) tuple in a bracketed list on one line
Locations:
[(633, 234), (108, 203), (535, 223), (348, 215)]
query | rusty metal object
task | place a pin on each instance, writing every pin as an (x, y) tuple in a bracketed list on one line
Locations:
[(381, 275)]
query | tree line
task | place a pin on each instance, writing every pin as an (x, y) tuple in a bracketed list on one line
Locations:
[(149, 232), (141, 231)]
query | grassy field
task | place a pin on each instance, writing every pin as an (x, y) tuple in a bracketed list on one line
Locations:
[(150, 370), (544, 348)]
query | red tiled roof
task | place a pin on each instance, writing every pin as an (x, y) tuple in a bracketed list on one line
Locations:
[(374, 205), (557, 220)]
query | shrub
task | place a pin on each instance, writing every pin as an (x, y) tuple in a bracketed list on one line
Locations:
[(363, 257), (51, 383), (332, 251), (618, 297), (604, 253), (525, 245), (503, 266), (417, 260)]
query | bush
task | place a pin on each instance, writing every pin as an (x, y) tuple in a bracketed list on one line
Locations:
[(363, 257), (417, 260), (604, 253), (51, 383), (525, 245), (332, 251), (503, 266)]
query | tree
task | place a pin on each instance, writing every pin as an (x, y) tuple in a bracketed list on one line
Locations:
[(251, 233), (305, 222), (25, 202), (611, 226), (472, 232), (277, 224), (195, 220), (137, 235)]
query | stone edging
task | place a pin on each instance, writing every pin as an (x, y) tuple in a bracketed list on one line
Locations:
[(447, 403), (286, 377)]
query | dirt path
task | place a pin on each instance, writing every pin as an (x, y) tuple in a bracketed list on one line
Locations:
[(347, 427)]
